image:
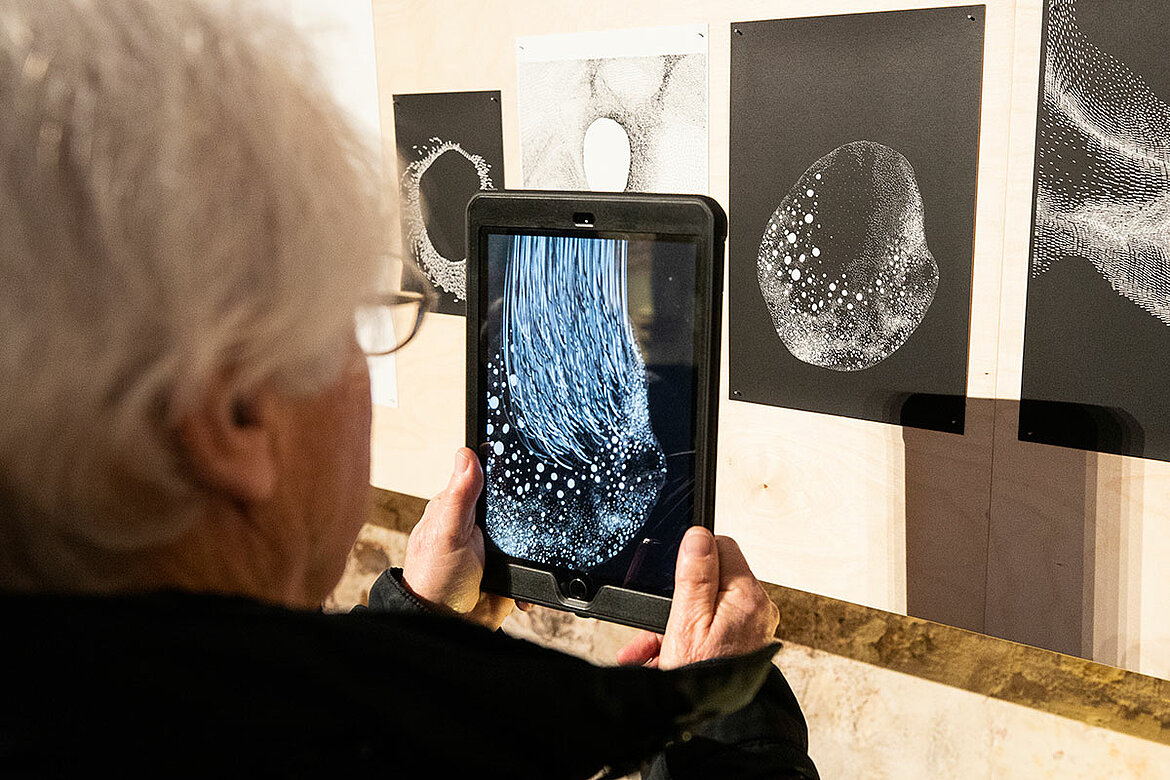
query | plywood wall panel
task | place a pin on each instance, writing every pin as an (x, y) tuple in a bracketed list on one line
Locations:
[(808, 498), (414, 445), (871, 513), (833, 517), (948, 486), (1152, 559)]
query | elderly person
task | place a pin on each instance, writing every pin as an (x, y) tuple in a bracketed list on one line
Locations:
[(187, 229)]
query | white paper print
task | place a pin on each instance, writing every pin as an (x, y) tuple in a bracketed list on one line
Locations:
[(614, 111)]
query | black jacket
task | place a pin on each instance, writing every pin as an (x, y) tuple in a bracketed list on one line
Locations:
[(177, 684)]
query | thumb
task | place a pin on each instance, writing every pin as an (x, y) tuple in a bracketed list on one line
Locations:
[(450, 516), (463, 488), (696, 576)]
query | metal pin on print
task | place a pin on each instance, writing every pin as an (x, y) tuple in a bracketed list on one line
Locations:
[(844, 264), (574, 468)]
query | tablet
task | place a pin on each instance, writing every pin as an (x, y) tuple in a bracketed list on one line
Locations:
[(592, 371)]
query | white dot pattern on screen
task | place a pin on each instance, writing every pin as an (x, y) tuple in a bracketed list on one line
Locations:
[(577, 395)]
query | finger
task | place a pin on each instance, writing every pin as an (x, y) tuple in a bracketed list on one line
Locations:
[(465, 483), (739, 586), (640, 650), (451, 514), (491, 610), (696, 575), (734, 571), (523, 606), (772, 618)]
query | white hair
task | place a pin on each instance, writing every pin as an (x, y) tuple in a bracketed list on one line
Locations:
[(179, 198)]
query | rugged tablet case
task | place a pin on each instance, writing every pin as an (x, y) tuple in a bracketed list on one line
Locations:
[(692, 215)]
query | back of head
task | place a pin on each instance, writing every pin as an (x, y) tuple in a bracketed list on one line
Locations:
[(178, 198)]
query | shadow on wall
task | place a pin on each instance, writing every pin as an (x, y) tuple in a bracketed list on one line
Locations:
[(1036, 544)]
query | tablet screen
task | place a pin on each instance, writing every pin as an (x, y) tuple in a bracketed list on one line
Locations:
[(587, 421)]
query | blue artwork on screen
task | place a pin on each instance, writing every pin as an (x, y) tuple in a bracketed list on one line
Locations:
[(574, 467)]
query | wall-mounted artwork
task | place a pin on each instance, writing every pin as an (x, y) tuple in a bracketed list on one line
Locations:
[(615, 111), (450, 146), (854, 153), (1097, 333)]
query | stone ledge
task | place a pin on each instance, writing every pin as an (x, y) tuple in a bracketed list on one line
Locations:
[(1064, 685)]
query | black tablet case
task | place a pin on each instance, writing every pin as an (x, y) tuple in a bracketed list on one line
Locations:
[(692, 215)]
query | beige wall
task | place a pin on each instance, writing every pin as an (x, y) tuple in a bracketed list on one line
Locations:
[(865, 721), (829, 518), (1048, 546)]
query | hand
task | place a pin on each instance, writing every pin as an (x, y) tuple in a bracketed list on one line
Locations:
[(444, 555), (719, 608)]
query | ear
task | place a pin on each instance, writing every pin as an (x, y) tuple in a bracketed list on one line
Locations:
[(228, 443)]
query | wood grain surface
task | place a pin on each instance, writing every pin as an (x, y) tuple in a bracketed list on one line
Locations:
[(1053, 547)]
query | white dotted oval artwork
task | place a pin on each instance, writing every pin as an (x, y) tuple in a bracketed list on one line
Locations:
[(449, 274), (574, 468), (844, 264)]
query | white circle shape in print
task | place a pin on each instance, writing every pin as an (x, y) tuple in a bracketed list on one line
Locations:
[(606, 156)]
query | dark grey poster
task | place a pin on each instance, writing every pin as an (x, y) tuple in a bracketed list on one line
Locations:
[(450, 146), (1097, 333), (854, 152)]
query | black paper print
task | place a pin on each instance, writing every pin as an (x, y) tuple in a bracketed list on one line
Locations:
[(854, 151), (450, 146)]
